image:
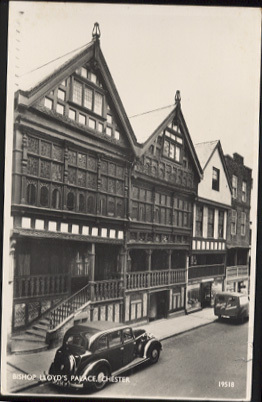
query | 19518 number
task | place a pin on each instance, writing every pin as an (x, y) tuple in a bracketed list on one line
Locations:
[(226, 384)]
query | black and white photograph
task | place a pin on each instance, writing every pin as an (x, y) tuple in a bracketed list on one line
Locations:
[(130, 201)]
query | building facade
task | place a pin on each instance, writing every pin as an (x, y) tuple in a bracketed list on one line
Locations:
[(206, 272), (238, 231), (101, 223)]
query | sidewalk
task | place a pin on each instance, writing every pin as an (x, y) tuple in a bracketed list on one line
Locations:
[(33, 365)]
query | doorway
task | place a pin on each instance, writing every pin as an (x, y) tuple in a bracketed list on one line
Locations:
[(158, 307), (206, 294)]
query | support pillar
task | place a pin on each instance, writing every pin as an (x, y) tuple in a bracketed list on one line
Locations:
[(91, 256), (186, 280), (149, 263), (169, 264)]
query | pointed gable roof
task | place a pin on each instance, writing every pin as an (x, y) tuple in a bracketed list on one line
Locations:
[(205, 151), (91, 51), (155, 122)]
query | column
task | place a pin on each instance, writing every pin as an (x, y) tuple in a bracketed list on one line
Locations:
[(10, 292), (169, 256), (148, 263), (91, 256), (186, 280), (225, 225), (194, 220)]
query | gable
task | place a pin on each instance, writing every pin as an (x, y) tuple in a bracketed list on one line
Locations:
[(223, 195), (167, 156), (82, 94)]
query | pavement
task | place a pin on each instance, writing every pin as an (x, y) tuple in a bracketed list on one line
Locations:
[(26, 370)]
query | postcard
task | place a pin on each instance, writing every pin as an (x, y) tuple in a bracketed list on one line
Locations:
[(131, 183)]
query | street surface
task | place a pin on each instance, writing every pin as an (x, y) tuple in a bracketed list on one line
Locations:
[(197, 364)]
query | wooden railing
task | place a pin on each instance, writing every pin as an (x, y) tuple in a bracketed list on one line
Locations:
[(69, 306), (146, 279), (104, 290), (40, 285), (237, 271), (202, 271)]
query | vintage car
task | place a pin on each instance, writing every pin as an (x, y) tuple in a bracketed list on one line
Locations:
[(95, 353), (232, 305)]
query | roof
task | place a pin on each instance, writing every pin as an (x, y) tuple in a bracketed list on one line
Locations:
[(204, 151), (146, 123), (95, 326), (31, 79), (236, 294)]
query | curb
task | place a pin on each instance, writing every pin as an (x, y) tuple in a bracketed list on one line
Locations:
[(186, 330)]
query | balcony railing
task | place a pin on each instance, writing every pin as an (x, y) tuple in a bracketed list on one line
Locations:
[(40, 285), (146, 279), (104, 290), (203, 271), (237, 271)]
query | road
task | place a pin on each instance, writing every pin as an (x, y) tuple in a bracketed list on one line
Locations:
[(192, 365)]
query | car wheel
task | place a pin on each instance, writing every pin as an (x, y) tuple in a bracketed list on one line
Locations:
[(100, 374), (154, 353)]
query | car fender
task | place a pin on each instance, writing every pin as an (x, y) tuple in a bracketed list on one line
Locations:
[(150, 343), (88, 369)]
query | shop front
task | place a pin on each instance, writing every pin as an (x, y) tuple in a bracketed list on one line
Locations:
[(202, 294)]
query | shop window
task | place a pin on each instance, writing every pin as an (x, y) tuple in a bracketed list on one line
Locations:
[(31, 194), (243, 223), (233, 222), (56, 199), (44, 194), (70, 201), (220, 224), (210, 222), (234, 186), (215, 179), (244, 191)]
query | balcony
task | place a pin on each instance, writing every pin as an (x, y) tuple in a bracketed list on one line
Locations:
[(206, 271), (40, 285), (235, 272), (148, 279)]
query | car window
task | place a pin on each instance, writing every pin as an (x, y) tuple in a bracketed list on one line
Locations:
[(127, 334), (220, 299), (102, 343), (232, 301), (75, 340), (243, 300), (114, 338)]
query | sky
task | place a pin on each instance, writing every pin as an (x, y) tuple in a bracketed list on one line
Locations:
[(210, 54)]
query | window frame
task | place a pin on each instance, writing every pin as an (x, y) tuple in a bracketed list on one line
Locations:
[(233, 222), (96, 92), (234, 188), (243, 223), (210, 223), (215, 181), (244, 191)]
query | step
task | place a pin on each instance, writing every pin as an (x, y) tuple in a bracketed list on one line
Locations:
[(37, 332), (45, 321), (40, 326), (24, 347), (26, 338)]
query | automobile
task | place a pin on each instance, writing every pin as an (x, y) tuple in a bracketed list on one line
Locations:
[(95, 353), (232, 305)]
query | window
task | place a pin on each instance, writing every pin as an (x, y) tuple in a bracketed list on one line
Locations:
[(114, 339), (72, 114), (60, 108), (83, 72), (233, 222), (215, 179), (243, 223), (244, 191), (102, 343), (92, 77), (77, 93), (56, 199), (220, 224), (61, 94), (109, 119), (100, 127), (109, 131), (234, 186), (171, 150), (82, 118), (92, 123), (48, 103), (210, 222), (87, 97), (199, 221), (127, 334)]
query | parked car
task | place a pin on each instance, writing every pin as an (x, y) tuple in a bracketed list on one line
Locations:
[(232, 305), (95, 353)]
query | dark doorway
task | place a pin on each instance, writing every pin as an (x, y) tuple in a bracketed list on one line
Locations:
[(158, 305), (206, 294)]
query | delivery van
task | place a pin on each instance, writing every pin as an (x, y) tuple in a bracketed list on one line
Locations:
[(232, 305)]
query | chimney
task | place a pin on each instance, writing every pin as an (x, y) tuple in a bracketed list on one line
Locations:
[(238, 158)]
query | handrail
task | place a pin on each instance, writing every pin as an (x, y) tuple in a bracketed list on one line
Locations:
[(69, 306)]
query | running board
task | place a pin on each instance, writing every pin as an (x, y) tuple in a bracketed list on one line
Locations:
[(134, 363)]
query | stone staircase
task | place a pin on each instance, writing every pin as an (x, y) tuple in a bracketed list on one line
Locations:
[(35, 338)]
